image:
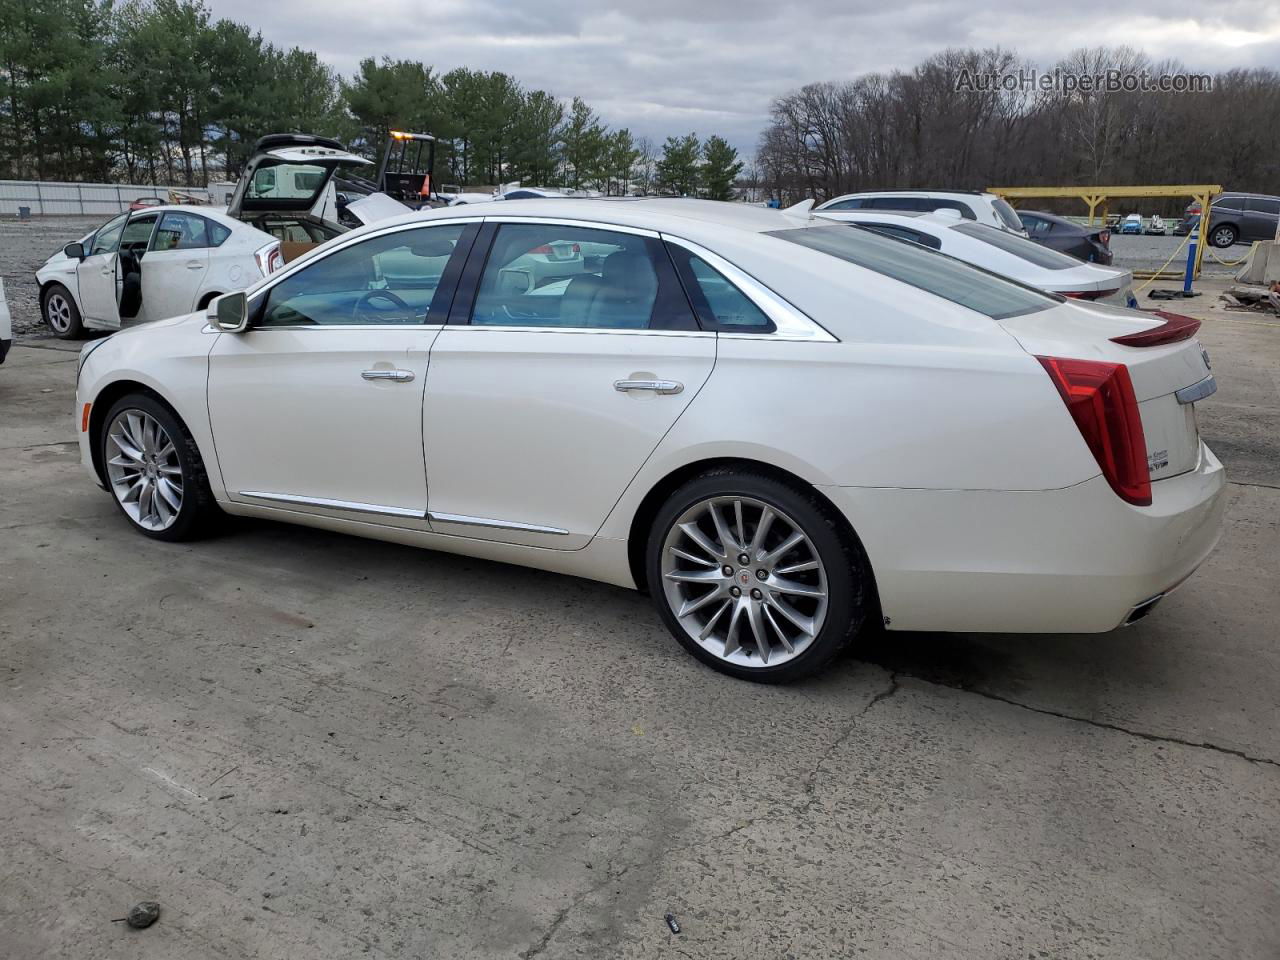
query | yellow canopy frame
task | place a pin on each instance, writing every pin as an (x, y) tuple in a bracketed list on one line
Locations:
[(1095, 197)]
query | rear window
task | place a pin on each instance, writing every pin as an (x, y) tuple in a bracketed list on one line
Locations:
[(1020, 247), (928, 270), (1008, 216)]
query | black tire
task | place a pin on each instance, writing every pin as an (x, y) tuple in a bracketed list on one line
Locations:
[(1224, 235), (851, 590), (58, 309), (198, 509)]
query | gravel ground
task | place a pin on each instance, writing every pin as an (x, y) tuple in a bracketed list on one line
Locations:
[(23, 247)]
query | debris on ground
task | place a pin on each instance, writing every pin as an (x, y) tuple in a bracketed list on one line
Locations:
[(141, 915), (1253, 296), (672, 922)]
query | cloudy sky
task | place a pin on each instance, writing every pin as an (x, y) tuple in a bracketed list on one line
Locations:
[(711, 66)]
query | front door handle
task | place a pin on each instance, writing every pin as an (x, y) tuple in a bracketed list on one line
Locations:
[(399, 376), (656, 386), (194, 264)]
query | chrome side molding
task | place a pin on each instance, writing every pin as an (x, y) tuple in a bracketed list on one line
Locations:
[(494, 524), (328, 504)]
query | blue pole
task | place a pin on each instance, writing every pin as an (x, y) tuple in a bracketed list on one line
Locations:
[(1191, 260)]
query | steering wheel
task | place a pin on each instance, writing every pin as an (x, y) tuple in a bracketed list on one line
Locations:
[(378, 315)]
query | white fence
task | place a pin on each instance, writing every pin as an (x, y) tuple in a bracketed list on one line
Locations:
[(46, 198)]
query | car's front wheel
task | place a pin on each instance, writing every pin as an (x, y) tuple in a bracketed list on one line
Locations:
[(755, 577), (61, 313), (1224, 236), (154, 469)]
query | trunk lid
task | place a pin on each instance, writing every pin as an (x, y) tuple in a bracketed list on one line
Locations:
[(1158, 372), (291, 173)]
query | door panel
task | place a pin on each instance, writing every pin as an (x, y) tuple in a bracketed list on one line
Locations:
[(526, 427), (294, 416), (96, 277), (170, 280)]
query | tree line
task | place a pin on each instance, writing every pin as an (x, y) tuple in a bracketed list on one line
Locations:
[(157, 91), (916, 129)]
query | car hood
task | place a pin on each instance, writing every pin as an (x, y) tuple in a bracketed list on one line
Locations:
[(58, 258)]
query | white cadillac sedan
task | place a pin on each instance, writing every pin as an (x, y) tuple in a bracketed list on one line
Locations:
[(780, 427)]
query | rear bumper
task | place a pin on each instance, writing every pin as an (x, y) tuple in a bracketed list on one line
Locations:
[(1076, 560)]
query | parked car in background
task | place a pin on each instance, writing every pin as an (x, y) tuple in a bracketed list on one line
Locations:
[(1131, 224), (973, 205), (957, 423), (1188, 223), (1000, 252), (1155, 226), (1242, 218), (143, 202), (158, 262), (1091, 244), (530, 193)]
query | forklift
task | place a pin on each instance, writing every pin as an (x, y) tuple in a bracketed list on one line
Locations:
[(408, 163)]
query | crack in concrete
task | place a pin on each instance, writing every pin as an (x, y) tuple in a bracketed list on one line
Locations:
[(563, 914), (1099, 724)]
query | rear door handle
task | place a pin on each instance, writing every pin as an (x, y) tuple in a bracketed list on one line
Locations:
[(194, 264), (656, 386), (399, 376)]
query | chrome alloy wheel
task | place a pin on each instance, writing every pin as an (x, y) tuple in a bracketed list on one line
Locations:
[(744, 581), (143, 467), (57, 311)]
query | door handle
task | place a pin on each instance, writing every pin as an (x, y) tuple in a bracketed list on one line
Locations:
[(656, 386), (399, 376), (194, 264)]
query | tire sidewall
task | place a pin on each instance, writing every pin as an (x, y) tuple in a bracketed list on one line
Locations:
[(75, 329), (190, 515), (848, 596), (1226, 231)]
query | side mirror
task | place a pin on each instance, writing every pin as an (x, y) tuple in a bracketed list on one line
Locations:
[(74, 251), (230, 312)]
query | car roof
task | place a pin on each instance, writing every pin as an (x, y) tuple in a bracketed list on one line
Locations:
[(908, 218), (673, 214), (213, 213), (913, 192)]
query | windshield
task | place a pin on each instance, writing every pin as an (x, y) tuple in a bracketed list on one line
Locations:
[(1020, 247), (1007, 214), (988, 293)]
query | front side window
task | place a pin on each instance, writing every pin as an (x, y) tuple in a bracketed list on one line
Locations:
[(390, 278), (987, 293), (108, 236), (182, 231), (564, 275), (1020, 247)]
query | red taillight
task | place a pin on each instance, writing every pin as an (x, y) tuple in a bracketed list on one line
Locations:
[(269, 258), (1099, 396), (1175, 327), (1104, 238)]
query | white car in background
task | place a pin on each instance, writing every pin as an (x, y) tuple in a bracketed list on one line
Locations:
[(1000, 252), (784, 428), (974, 205), (162, 261), (6, 325)]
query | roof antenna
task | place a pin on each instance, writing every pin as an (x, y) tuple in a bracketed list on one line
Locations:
[(800, 209)]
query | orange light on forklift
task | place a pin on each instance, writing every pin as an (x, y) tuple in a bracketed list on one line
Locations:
[(84, 418), (400, 136)]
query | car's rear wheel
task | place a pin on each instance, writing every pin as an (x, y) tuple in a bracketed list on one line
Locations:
[(61, 313), (154, 470), (755, 577), (1224, 235)]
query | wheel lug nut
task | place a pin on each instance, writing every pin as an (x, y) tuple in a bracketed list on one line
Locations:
[(762, 574), (757, 595), (743, 559), (735, 592), (727, 570)]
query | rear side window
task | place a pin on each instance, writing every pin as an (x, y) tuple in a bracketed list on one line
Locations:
[(855, 204), (719, 304), (943, 276), (920, 205), (1264, 205), (217, 233), (181, 231), (1020, 247)]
